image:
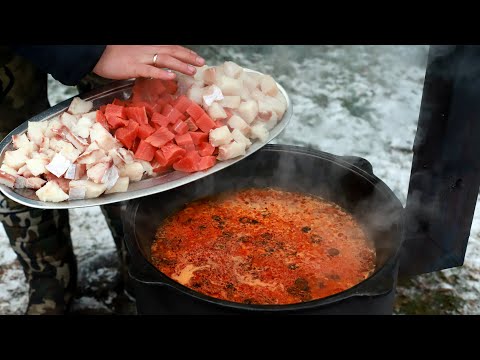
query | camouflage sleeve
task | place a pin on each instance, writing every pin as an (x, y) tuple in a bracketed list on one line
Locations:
[(66, 63)]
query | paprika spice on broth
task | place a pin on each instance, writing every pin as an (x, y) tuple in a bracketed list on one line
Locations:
[(263, 246)]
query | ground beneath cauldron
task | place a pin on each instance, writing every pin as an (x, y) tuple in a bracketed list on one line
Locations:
[(348, 100)]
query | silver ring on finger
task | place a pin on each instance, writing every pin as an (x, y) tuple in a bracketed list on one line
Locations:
[(155, 59)]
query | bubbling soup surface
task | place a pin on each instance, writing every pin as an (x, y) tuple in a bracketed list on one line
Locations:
[(263, 246)]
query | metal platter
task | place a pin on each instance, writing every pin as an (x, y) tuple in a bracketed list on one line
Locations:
[(122, 90)]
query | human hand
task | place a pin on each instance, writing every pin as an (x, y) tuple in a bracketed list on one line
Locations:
[(120, 62)]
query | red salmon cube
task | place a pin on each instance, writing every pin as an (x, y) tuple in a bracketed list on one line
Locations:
[(135, 144), (183, 103), (174, 116), (168, 154), (198, 137), (145, 131), (205, 123), (205, 149), (127, 135), (139, 114), (160, 137), (191, 124), (167, 109), (206, 162), (160, 158), (102, 120), (115, 122), (184, 140), (189, 163), (102, 108), (145, 151), (115, 110), (180, 127), (159, 169), (195, 111), (159, 119)]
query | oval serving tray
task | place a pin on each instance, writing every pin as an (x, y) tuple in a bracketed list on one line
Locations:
[(104, 95)]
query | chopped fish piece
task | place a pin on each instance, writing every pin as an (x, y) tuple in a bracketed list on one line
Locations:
[(268, 85), (231, 150), (216, 112), (236, 122), (59, 165), (15, 158), (120, 186), (79, 106), (8, 170), (111, 176), (240, 138), (7, 179), (52, 192), (77, 193), (212, 94), (220, 136), (259, 131), (37, 166), (248, 110)]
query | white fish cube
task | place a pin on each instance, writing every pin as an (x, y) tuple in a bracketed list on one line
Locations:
[(211, 94), (59, 165), (259, 131), (120, 186), (52, 192), (92, 190), (147, 167), (15, 158), (68, 120), (24, 171), (111, 176), (195, 94), (230, 86), (231, 150), (268, 85), (36, 131), (134, 171), (232, 70), (211, 75), (53, 125), (82, 128), (20, 182), (37, 166), (248, 111), (34, 183), (79, 106), (97, 172), (216, 112), (220, 136), (236, 122), (22, 142), (240, 138), (104, 139), (7, 169), (250, 82), (231, 102), (7, 179), (199, 73), (77, 193)]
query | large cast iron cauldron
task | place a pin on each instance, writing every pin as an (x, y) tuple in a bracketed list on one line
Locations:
[(347, 181)]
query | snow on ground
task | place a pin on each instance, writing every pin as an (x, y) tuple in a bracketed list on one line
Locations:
[(348, 100)]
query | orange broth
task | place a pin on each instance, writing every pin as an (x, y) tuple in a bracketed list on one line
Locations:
[(263, 246)]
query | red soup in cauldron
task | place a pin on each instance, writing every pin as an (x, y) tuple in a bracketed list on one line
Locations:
[(263, 246)]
